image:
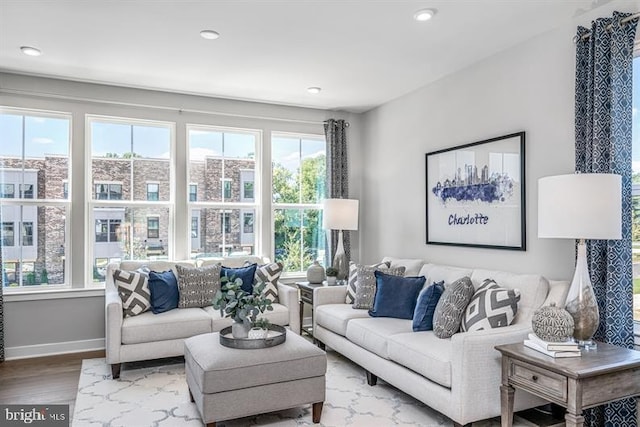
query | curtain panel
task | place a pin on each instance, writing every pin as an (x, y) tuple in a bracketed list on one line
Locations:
[(335, 132), (603, 122)]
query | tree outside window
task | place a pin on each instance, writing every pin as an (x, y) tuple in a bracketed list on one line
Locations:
[(298, 179)]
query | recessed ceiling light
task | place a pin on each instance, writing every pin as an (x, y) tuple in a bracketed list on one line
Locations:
[(314, 89), (31, 51), (209, 34), (424, 15)]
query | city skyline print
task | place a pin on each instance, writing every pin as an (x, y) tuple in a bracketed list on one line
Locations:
[(475, 194)]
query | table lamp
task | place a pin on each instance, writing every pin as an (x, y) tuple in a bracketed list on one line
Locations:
[(340, 214), (581, 206)]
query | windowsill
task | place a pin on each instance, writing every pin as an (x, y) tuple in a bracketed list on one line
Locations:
[(49, 294)]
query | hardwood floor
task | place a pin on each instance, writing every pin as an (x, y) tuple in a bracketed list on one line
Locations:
[(43, 380)]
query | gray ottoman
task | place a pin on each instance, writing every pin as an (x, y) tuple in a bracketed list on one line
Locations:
[(227, 383)]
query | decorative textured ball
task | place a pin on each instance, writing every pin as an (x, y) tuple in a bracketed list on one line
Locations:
[(552, 323)]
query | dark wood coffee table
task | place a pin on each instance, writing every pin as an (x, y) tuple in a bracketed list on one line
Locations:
[(598, 376)]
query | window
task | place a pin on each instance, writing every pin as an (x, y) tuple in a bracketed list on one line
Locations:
[(225, 222), (194, 227), (219, 160), (130, 162), (26, 191), (65, 190), (27, 234), (247, 223), (8, 191), (109, 191), (298, 177), (153, 191), (227, 189), (247, 189), (102, 230), (34, 215), (153, 227), (7, 234), (193, 192)]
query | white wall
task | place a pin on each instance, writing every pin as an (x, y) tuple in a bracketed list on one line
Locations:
[(75, 321), (529, 87)]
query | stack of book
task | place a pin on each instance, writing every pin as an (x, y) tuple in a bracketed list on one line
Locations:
[(553, 349)]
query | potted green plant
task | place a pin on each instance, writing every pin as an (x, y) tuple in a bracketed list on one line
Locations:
[(260, 329), (331, 275), (241, 306)]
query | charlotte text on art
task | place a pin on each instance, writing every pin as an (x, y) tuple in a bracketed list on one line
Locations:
[(468, 219)]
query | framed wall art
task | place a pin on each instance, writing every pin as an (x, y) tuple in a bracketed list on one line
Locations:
[(476, 194)]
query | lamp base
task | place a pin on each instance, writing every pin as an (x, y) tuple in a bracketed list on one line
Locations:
[(582, 303), (340, 260)]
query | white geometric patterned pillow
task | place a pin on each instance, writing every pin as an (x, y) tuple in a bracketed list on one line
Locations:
[(269, 274), (133, 288), (352, 283), (490, 307)]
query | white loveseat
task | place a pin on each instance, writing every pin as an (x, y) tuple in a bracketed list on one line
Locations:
[(153, 336), (459, 376)]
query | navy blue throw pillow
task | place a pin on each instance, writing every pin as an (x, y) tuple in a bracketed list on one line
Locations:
[(395, 295), (426, 306), (164, 291), (246, 274)]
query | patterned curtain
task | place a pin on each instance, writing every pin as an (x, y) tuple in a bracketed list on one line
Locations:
[(603, 145), (335, 132)]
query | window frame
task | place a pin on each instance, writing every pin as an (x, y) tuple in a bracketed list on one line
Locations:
[(125, 203), (64, 204), (223, 205), (300, 207)]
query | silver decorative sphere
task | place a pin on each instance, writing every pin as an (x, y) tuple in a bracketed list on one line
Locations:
[(553, 324)]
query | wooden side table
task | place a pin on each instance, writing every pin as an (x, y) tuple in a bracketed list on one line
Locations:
[(598, 376), (306, 297)]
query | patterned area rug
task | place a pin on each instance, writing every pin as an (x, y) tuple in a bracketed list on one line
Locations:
[(155, 394)]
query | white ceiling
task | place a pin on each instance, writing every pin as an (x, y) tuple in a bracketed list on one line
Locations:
[(361, 53)]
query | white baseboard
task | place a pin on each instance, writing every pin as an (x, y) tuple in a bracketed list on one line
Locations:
[(51, 349)]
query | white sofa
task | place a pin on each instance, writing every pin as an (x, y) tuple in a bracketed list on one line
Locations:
[(154, 336), (459, 376)]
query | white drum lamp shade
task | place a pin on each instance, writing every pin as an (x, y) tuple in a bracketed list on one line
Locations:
[(340, 214), (581, 206)]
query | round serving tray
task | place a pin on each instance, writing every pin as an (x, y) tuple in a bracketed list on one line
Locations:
[(277, 335)]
